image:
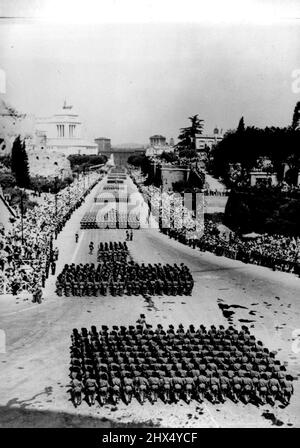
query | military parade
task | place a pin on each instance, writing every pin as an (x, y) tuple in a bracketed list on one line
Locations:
[(113, 209), (149, 218), (116, 275), (143, 362), (146, 362)]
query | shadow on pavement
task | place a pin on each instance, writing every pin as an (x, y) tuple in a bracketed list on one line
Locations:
[(34, 418)]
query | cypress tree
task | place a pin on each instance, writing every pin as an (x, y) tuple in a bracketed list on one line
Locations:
[(19, 163), (241, 125), (296, 117)]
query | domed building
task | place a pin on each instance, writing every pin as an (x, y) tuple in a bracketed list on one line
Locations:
[(64, 133)]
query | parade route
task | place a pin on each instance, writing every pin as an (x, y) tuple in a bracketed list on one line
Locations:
[(34, 370)]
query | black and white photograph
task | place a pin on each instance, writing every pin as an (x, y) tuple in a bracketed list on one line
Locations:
[(150, 216)]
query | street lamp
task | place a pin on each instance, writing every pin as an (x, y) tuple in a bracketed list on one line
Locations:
[(22, 215), (55, 186), (84, 177)]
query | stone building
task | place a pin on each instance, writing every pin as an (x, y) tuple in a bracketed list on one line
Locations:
[(207, 141), (157, 140), (64, 133), (104, 145)]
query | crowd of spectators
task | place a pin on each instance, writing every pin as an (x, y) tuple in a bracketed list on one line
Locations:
[(274, 251), (278, 252), (27, 249), (165, 206)]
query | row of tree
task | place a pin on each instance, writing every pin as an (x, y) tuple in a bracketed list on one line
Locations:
[(82, 162), (246, 145)]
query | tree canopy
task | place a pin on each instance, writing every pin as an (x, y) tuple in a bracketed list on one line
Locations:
[(278, 144), (187, 136), (296, 117), (168, 156), (19, 163), (241, 126), (80, 162)]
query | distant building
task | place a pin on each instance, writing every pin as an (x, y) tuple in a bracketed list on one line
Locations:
[(62, 132), (158, 145), (104, 145), (158, 150), (207, 141), (258, 177), (157, 140)]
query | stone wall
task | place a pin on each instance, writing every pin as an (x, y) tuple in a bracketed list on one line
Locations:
[(48, 163), (170, 175)]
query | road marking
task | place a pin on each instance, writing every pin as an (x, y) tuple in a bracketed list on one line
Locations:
[(23, 310), (210, 414), (77, 248)]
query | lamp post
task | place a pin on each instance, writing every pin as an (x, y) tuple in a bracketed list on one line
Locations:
[(55, 186), (22, 215), (84, 177)]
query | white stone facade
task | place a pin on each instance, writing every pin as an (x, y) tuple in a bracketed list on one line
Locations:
[(63, 132)]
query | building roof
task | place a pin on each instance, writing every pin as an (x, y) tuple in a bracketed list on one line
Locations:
[(158, 136)]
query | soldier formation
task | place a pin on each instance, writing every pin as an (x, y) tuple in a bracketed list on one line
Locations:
[(116, 274), (112, 219), (196, 363)]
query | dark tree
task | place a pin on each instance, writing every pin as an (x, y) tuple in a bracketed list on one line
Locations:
[(168, 157), (7, 180), (241, 125), (188, 153), (19, 163), (187, 136), (280, 145), (81, 162), (296, 117)]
